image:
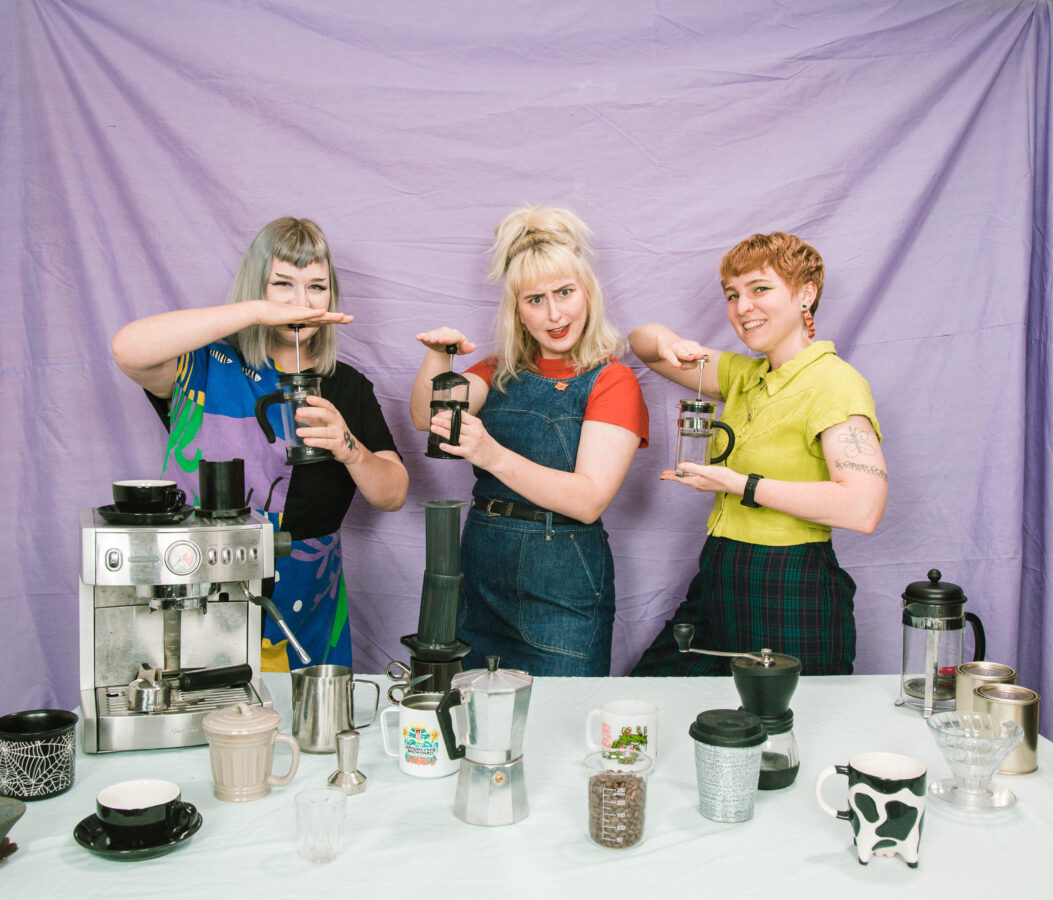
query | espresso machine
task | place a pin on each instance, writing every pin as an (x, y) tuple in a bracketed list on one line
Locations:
[(435, 650), (169, 625)]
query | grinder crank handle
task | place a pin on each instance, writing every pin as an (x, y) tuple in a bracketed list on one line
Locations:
[(683, 632), (272, 610)]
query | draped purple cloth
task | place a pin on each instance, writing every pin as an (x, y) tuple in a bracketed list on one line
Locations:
[(143, 144)]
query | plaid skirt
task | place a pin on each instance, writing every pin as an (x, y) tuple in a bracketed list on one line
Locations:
[(745, 597)]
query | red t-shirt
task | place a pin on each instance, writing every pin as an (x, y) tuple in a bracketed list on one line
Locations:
[(615, 398)]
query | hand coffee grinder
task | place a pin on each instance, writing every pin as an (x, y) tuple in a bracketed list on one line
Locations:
[(491, 788), (449, 390), (435, 650), (765, 682)]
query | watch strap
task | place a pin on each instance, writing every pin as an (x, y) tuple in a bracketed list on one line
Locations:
[(751, 488)]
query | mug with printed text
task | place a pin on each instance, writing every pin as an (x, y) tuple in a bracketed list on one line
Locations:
[(418, 742)]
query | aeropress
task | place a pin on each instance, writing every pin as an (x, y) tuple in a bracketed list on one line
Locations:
[(435, 651)]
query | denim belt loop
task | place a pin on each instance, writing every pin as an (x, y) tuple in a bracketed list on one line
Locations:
[(548, 525)]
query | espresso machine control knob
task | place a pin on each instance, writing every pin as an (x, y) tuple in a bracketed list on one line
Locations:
[(282, 543)]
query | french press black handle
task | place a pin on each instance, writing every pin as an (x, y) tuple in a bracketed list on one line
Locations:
[(262, 405), (730, 446), (442, 713), (979, 638), (455, 427)]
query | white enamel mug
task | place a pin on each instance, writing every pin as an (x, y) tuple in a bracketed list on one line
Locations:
[(415, 738)]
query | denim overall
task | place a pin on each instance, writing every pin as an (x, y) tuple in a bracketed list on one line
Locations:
[(538, 594)]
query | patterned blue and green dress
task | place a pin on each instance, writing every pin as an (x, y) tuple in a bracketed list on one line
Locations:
[(212, 416)]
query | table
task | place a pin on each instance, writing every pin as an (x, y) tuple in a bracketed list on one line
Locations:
[(403, 840)]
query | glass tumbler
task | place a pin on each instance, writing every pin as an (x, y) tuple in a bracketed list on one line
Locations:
[(320, 823)]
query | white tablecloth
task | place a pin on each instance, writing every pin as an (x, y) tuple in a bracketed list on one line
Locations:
[(402, 839)]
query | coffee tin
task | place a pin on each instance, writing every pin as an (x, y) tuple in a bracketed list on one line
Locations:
[(970, 675), (1013, 703)]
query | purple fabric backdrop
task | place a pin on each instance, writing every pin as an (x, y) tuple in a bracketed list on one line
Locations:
[(142, 144)]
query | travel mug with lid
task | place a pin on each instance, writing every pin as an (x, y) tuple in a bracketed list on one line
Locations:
[(728, 746)]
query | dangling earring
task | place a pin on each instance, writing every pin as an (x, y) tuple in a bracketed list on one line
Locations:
[(809, 324)]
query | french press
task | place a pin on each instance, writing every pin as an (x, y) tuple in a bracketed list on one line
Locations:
[(934, 620), (449, 390), (694, 431), (293, 390)]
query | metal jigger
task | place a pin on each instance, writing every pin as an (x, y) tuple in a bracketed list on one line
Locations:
[(765, 682), (435, 651)]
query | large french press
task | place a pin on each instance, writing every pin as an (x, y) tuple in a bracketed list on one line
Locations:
[(934, 620), (765, 682), (449, 390), (694, 431)]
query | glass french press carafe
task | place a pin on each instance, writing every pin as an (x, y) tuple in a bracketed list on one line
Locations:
[(694, 436), (292, 394), (449, 390), (694, 431), (934, 620)]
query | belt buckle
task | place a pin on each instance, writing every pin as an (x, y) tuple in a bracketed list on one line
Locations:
[(489, 508)]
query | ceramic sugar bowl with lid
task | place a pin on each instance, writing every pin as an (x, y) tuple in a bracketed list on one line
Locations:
[(241, 743)]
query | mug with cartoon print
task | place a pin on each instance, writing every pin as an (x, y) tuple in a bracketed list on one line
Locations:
[(624, 724)]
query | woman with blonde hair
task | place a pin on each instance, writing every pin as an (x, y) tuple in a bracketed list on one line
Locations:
[(553, 423), (204, 369)]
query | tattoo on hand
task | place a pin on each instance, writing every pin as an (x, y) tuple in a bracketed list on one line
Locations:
[(349, 441), (860, 467), (857, 443)]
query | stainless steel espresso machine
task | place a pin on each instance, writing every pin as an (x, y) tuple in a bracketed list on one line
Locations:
[(170, 627)]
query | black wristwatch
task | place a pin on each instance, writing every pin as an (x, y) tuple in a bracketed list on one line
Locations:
[(751, 487)]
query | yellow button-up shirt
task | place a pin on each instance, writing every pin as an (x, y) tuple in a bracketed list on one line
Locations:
[(778, 418)]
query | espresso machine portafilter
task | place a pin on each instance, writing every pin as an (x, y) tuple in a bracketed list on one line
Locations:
[(169, 625)]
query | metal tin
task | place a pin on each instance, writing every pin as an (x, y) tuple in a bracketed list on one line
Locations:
[(970, 675), (1011, 702)]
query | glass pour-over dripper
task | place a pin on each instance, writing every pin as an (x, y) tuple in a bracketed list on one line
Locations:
[(974, 745)]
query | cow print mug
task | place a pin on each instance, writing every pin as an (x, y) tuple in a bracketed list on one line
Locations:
[(886, 800)]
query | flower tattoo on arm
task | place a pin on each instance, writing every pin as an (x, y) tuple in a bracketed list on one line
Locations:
[(349, 441), (856, 442)]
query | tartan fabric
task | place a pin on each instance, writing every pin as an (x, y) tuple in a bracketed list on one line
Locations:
[(745, 597)]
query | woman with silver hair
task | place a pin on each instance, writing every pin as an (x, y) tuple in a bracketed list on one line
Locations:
[(204, 370), (553, 423)]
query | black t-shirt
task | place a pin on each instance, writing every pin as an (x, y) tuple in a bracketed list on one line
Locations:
[(320, 493)]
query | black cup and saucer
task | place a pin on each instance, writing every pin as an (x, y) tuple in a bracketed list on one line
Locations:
[(145, 501), (138, 819)]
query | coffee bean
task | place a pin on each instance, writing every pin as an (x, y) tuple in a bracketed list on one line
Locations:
[(617, 801)]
